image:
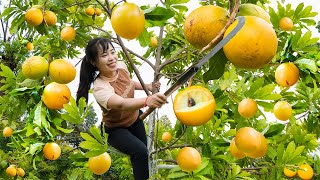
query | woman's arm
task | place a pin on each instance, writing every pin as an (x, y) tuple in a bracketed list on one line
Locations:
[(138, 85), (154, 101)]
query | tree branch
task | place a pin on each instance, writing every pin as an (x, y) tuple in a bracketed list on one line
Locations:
[(75, 4), (230, 21), (171, 59)]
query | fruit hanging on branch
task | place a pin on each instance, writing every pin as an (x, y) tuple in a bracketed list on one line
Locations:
[(35, 67), (189, 159), (128, 20), (194, 106), (204, 24), (100, 164), (234, 151), (68, 33), (51, 151), (34, 16), (247, 108), (282, 110), (62, 71), (50, 18), (55, 95), (254, 46), (249, 9), (287, 74), (286, 24)]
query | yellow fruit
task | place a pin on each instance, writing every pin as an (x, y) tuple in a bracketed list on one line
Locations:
[(29, 46), (289, 173), (34, 16), (247, 139), (20, 172), (286, 24), (248, 9), (282, 110), (305, 172), (62, 71), (11, 171), (97, 11), (128, 20), (287, 74), (100, 164), (68, 33), (55, 95), (203, 24), (90, 11), (188, 159), (247, 108), (7, 132), (51, 151), (262, 149), (50, 18), (153, 41), (254, 46), (194, 106), (166, 137), (234, 151), (35, 67)]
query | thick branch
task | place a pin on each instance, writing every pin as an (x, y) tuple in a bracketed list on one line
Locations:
[(171, 147), (158, 58), (230, 21)]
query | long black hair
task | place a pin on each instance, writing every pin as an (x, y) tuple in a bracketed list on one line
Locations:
[(88, 69)]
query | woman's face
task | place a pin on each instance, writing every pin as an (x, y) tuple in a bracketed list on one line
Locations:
[(107, 61)]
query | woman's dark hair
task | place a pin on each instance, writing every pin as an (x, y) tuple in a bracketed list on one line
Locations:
[(88, 65)]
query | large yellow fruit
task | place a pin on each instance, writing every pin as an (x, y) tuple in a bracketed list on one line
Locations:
[(287, 74), (234, 151), (249, 9), (305, 172), (203, 24), (98, 11), (90, 11), (62, 71), (254, 46), (247, 108), (289, 173), (100, 164), (55, 95), (128, 20), (189, 159), (286, 24), (34, 16), (247, 139), (166, 137), (20, 172), (194, 106), (68, 33), (7, 132), (262, 149), (50, 18), (11, 171), (282, 110), (51, 151), (35, 67)]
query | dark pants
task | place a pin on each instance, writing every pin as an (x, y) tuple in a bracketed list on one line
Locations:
[(133, 142)]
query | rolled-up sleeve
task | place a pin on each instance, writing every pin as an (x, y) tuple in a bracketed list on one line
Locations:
[(102, 91)]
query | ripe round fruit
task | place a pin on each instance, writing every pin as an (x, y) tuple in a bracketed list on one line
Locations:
[(188, 159), (306, 172), (286, 24), (194, 106), (35, 67), (7, 132), (50, 18), (249, 9), (20, 172), (289, 173), (62, 71), (68, 33), (203, 24), (234, 151), (11, 171), (247, 139), (262, 149), (253, 46), (247, 108), (166, 137), (29, 46), (128, 20), (153, 41), (100, 164), (282, 110), (98, 11), (287, 74), (34, 16), (51, 151), (90, 11), (55, 95)]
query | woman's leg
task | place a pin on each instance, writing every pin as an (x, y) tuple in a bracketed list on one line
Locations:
[(128, 143)]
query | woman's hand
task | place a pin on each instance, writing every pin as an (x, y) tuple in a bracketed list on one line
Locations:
[(156, 100)]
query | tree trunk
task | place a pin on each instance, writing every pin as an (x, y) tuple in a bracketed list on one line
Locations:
[(150, 143)]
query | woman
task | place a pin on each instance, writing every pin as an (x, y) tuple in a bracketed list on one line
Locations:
[(113, 89)]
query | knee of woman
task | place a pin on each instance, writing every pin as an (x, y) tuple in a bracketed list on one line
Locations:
[(141, 151)]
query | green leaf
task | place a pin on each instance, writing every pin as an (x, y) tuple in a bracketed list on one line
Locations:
[(264, 91), (290, 150), (159, 14), (170, 2), (87, 137), (258, 83), (216, 66), (6, 12), (274, 129), (204, 164), (96, 132), (177, 175), (39, 114), (7, 72), (236, 169), (220, 143), (297, 152), (90, 145), (67, 131), (94, 153), (271, 97), (280, 152), (298, 10), (307, 64), (35, 147), (144, 38)]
